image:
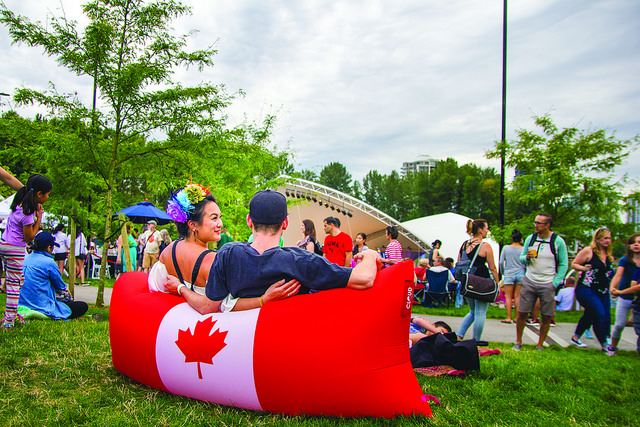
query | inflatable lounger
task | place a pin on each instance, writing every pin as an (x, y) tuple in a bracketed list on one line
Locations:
[(340, 352)]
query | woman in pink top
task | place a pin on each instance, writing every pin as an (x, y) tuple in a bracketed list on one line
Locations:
[(393, 254), (22, 227)]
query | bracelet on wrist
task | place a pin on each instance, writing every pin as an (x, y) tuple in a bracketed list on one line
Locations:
[(261, 302), (179, 288)]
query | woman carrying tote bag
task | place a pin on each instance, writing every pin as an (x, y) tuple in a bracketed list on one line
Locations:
[(482, 254)]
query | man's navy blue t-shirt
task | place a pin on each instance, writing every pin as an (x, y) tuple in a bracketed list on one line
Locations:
[(241, 271)]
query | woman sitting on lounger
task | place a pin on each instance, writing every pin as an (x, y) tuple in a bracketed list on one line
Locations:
[(198, 220)]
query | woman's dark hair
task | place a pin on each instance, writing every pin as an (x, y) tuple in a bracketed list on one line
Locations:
[(196, 216), (25, 195), (392, 231), (309, 228), (355, 247), (436, 242), (476, 225), (78, 231), (58, 228), (516, 236), (631, 241)]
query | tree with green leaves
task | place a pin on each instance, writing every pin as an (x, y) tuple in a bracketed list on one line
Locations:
[(568, 173), (336, 176), (129, 51), (468, 190)]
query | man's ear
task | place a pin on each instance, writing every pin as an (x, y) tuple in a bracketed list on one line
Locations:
[(285, 223), (249, 222)]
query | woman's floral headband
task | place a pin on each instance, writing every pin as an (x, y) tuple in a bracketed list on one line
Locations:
[(181, 205)]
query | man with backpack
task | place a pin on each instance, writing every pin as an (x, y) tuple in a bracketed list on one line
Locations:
[(545, 257)]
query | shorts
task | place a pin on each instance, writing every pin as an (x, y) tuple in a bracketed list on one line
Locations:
[(513, 279), (83, 257), (531, 291), (60, 257), (149, 259)]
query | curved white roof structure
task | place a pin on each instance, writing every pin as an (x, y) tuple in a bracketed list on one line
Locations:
[(309, 200), (450, 229)]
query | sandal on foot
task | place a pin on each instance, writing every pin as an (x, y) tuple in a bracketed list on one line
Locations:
[(506, 321), (6, 325)]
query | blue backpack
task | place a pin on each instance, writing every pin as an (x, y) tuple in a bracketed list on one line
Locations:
[(464, 265)]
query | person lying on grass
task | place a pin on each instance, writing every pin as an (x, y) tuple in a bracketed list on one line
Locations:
[(421, 327), (245, 271)]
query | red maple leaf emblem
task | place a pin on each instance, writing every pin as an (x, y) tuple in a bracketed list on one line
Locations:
[(202, 345)]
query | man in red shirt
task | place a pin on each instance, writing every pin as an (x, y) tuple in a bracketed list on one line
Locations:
[(338, 246)]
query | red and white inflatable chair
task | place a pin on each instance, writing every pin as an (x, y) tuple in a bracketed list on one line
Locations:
[(339, 353)]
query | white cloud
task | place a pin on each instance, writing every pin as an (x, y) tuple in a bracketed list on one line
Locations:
[(374, 83)]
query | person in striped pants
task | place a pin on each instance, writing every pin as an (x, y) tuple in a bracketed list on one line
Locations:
[(22, 226)]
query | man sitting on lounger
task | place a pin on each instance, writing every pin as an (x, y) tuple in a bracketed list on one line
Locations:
[(243, 273)]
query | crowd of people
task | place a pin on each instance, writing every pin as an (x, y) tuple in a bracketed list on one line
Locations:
[(245, 275)]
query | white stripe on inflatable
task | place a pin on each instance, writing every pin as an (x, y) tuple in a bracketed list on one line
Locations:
[(229, 380)]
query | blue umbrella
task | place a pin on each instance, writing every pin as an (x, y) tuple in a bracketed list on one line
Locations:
[(140, 213)]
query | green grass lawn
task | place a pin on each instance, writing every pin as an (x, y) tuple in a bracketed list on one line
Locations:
[(60, 373)]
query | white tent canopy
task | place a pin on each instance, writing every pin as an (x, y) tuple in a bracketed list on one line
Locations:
[(450, 229), (309, 200)]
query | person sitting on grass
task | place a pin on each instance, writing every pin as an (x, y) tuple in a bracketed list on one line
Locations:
[(42, 280)]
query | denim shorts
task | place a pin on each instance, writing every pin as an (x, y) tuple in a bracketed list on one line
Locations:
[(513, 278)]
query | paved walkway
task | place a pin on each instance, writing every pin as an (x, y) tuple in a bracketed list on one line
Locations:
[(88, 294), (494, 330)]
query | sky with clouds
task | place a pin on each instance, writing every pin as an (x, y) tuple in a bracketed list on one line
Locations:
[(374, 83)]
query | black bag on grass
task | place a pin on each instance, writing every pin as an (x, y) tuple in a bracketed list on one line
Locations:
[(445, 349)]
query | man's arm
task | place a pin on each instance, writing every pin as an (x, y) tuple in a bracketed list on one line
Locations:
[(199, 303), (10, 180), (203, 305), (349, 256), (563, 261), (364, 273)]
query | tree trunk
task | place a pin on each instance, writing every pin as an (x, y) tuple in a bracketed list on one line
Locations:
[(71, 263), (107, 234)]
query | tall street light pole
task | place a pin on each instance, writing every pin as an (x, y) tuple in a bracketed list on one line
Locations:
[(504, 109)]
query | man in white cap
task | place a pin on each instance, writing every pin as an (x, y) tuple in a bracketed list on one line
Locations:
[(242, 274), (151, 239)]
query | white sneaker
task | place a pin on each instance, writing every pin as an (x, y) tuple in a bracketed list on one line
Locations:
[(577, 342)]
